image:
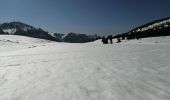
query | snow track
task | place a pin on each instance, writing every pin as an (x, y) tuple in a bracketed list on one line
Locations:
[(91, 71)]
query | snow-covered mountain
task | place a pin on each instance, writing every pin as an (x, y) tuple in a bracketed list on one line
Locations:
[(19, 28), (13, 27), (155, 25), (153, 29), (74, 37), (58, 36), (78, 38)]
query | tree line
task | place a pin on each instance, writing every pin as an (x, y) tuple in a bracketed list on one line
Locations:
[(160, 31)]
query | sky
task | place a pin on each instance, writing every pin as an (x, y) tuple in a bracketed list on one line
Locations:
[(84, 16)]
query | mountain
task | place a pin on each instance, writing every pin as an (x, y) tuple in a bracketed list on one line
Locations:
[(158, 24), (156, 28), (1, 31), (18, 28), (77, 38), (74, 37), (13, 27), (58, 36)]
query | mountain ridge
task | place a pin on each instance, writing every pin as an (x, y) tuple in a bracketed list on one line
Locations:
[(155, 28), (150, 23), (19, 28)]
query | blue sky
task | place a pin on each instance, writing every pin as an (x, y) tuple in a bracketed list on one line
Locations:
[(84, 16)]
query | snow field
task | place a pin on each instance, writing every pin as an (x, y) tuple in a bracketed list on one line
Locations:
[(129, 70)]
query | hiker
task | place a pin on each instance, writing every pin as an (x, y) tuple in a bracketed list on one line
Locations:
[(110, 37), (118, 40), (104, 40)]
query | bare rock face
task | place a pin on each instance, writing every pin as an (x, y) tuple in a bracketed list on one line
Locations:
[(1, 32)]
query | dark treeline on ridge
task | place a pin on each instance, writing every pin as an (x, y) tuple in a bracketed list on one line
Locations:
[(156, 28)]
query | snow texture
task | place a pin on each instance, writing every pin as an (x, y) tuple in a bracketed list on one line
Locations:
[(35, 69)]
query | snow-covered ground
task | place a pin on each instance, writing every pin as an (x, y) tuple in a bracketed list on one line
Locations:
[(34, 69)]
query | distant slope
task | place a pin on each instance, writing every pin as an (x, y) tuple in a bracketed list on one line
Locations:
[(153, 29), (19, 28), (74, 37), (15, 42), (13, 27), (154, 24), (77, 38)]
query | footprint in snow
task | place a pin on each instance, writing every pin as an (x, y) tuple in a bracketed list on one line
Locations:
[(33, 46)]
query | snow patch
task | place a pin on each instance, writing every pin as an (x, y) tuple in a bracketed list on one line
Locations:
[(10, 31)]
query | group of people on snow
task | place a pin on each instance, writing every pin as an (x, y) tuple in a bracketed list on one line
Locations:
[(109, 39)]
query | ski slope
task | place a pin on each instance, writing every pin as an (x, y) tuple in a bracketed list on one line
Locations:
[(35, 69)]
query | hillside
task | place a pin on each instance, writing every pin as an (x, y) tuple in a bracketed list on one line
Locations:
[(156, 28), (14, 42), (35, 69), (74, 37), (19, 28)]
